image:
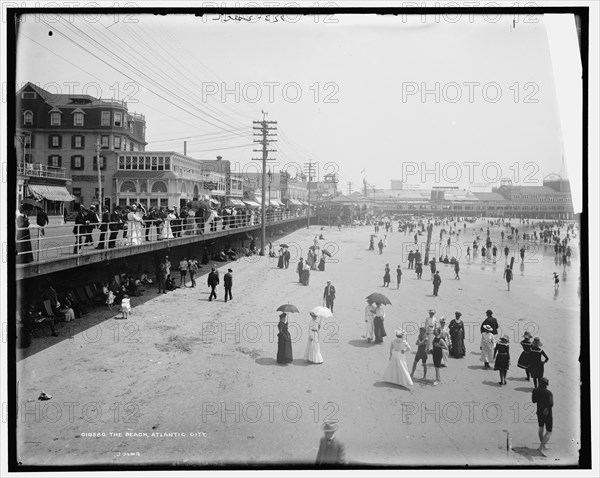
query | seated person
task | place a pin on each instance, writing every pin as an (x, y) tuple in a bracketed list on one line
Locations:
[(170, 283), (32, 316), (144, 279), (132, 287), (446, 260), (77, 307), (453, 260)]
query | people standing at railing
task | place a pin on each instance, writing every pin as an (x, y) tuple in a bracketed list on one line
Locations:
[(148, 217), (79, 229), (42, 220), (24, 254), (103, 227), (167, 233), (92, 220), (134, 224), (176, 223), (114, 226)]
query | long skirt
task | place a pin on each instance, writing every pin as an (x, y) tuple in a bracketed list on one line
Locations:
[(379, 329), (284, 350), (313, 352), (280, 262), (397, 371), (458, 344), (523, 361)]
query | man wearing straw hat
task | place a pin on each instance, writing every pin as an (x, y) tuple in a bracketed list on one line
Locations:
[(431, 323), (331, 451)]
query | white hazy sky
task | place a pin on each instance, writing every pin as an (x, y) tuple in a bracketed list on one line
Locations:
[(351, 74)]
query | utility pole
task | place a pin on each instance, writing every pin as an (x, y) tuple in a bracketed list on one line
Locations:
[(310, 169), (100, 204), (262, 134)]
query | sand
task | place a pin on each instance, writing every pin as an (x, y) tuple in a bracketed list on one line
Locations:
[(188, 381)]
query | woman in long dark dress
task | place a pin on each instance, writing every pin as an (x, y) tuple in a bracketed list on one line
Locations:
[(457, 336), (523, 361), (536, 364), (284, 341), (386, 276), (378, 326), (322, 263), (24, 255), (502, 358), (280, 260)]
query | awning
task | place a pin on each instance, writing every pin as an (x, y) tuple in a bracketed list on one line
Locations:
[(294, 202), (237, 202), (53, 193), (274, 203), (280, 203), (304, 203), (251, 203)]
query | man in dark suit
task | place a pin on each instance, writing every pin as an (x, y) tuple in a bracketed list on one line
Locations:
[(331, 451), (286, 258), (228, 283), (329, 295), (437, 280), (213, 282), (103, 227), (91, 219)]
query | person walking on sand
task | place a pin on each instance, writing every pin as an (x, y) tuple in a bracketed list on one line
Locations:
[(502, 358), (456, 270), (445, 335), (125, 306), (284, 341), (228, 284), (544, 400), (537, 360), (331, 451), (422, 345), (438, 347), (487, 346), (213, 282), (329, 295), (508, 275), (313, 350), (369, 316), (523, 361), (431, 323), (491, 321), (398, 276), (556, 281), (437, 280), (183, 268), (397, 370), (378, 326), (457, 336), (380, 246), (386, 276), (419, 270)]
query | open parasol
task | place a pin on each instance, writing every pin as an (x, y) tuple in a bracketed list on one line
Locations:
[(322, 312), (326, 252), (379, 298), (283, 245), (32, 202), (289, 308)]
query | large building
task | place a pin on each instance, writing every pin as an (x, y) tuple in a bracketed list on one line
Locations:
[(57, 144)]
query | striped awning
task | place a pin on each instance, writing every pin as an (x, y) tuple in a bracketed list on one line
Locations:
[(251, 203), (294, 202), (53, 193), (274, 203)]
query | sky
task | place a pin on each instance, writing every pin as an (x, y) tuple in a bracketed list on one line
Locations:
[(428, 100)]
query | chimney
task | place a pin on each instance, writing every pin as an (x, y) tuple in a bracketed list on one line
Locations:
[(185, 148)]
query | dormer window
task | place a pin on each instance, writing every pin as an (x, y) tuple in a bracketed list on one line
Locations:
[(55, 119), (78, 119), (28, 118)]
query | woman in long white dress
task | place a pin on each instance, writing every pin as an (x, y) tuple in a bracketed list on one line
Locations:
[(445, 335), (397, 370), (313, 350), (134, 226), (167, 233)]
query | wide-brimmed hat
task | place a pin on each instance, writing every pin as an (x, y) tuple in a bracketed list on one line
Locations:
[(282, 315), (399, 332), (431, 310), (537, 342), (488, 327), (505, 339), (443, 319), (330, 426), (457, 313), (527, 334)]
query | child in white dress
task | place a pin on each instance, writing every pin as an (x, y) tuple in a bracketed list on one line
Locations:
[(125, 306)]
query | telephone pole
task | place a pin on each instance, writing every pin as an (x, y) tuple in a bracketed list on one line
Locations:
[(262, 136), (309, 167), (100, 204)]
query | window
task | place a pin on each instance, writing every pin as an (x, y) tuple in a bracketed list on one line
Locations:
[(122, 202), (28, 118), (131, 126), (54, 161), (29, 95), (76, 191), (55, 119), (128, 187), (78, 119), (104, 141), (164, 202), (77, 162), (28, 141), (153, 202), (105, 121), (117, 142), (78, 142), (159, 187), (54, 141), (118, 119), (102, 163), (28, 158)]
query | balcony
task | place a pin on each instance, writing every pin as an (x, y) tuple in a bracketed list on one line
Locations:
[(42, 171)]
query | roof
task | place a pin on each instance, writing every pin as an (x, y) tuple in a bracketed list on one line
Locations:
[(145, 174), (56, 99), (529, 190), (490, 196)]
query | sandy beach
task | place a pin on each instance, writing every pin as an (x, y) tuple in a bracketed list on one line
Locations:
[(188, 381)]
